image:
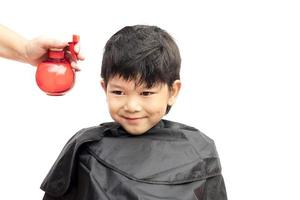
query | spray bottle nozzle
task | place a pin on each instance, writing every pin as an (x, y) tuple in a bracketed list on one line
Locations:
[(72, 44)]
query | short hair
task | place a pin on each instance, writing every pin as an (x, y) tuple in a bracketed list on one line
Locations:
[(145, 54)]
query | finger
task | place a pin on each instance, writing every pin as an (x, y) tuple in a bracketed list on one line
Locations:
[(68, 55), (75, 66), (53, 43), (77, 48), (80, 57), (79, 54)]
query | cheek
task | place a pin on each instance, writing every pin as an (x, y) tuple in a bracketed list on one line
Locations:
[(157, 107), (113, 104)]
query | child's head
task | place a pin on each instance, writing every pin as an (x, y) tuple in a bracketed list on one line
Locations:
[(140, 72)]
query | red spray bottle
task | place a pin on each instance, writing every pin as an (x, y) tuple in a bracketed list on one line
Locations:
[(55, 75)]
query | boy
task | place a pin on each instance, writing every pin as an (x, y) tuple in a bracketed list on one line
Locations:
[(139, 156)]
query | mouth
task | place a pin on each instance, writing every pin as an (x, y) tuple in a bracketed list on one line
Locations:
[(132, 119)]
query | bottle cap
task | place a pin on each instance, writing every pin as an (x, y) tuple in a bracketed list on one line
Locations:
[(56, 53)]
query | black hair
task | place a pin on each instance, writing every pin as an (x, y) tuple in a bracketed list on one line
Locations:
[(145, 54)]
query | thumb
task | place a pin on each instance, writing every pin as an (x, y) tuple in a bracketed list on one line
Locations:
[(48, 43)]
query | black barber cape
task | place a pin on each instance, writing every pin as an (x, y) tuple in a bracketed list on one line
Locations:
[(171, 161)]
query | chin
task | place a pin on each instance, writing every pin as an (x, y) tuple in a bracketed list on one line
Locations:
[(135, 132)]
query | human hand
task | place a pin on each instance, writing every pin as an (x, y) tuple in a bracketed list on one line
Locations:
[(37, 48)]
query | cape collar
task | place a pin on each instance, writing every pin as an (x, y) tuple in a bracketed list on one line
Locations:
[(117, 130)]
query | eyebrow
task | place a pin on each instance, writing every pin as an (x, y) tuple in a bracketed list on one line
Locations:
[(115, 85)]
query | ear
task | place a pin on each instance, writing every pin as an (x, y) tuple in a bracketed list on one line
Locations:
[(103, 85), (174, 92)]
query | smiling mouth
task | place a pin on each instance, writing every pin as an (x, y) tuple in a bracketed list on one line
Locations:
[(132, 119)]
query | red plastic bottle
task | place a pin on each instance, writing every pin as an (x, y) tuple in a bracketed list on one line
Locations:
[(55, 75)]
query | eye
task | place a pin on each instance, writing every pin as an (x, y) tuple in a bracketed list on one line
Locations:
[(147, 93), (117, 92)]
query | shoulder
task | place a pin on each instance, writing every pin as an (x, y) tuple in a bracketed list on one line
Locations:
[(63, 168), (92, 133), (198, 139), (188, 130), (173, 124)]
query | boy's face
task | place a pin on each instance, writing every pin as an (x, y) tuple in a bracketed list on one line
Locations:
[(138, 108)]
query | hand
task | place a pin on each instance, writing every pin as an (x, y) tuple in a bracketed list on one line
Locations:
[(37, 48)]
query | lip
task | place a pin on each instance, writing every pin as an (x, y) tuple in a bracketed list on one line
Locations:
[(132, 119)]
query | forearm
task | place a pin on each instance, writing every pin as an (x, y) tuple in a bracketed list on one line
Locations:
[(12, 45)]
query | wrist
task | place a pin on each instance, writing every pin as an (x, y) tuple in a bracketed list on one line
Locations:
[(23, 51)]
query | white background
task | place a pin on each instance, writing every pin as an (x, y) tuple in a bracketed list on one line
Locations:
[(240, 74)]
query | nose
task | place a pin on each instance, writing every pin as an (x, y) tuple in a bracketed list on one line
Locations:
[(132, 105)]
